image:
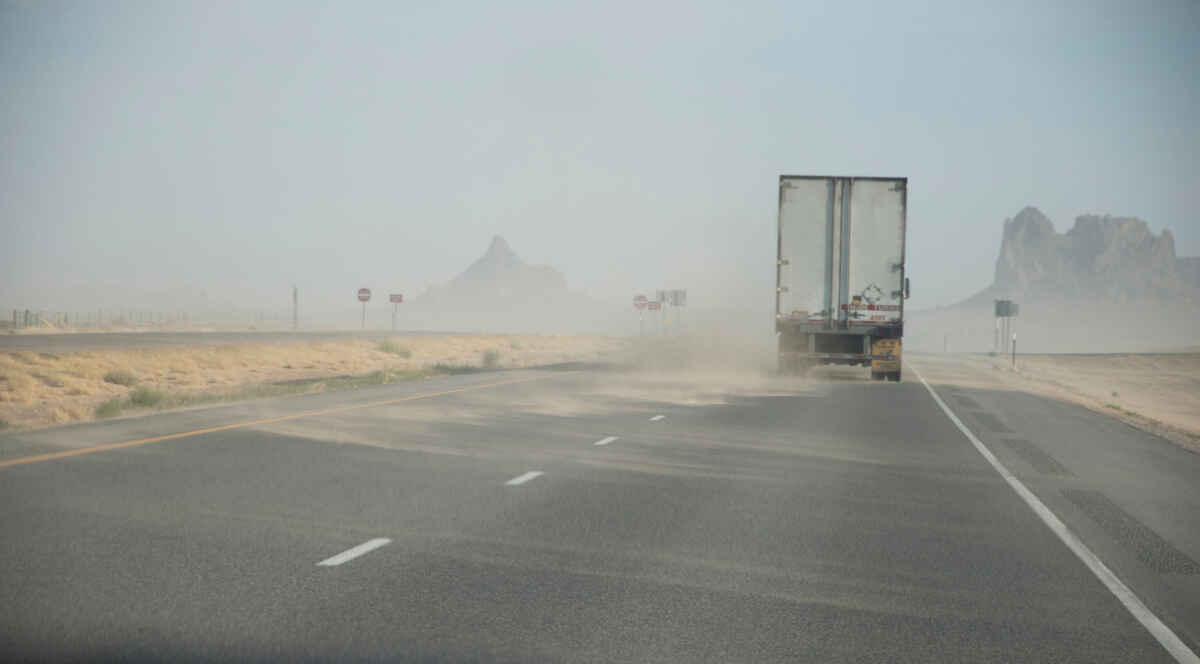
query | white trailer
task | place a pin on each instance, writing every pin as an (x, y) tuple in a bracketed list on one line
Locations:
[(840, 283)]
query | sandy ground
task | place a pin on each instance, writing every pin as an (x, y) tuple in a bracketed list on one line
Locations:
[(45, 389), (1159, 393)]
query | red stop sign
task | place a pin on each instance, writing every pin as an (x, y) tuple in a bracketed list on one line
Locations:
[(640, 301), (364, 294)]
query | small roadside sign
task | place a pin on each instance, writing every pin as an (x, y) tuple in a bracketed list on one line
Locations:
[(364, 296), (396, 299), (640, 301), (654, 306)]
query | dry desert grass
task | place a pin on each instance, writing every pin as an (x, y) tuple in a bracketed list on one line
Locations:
[(44, 389)]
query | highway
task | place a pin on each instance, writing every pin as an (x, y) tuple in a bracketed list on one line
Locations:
[(596, 515)]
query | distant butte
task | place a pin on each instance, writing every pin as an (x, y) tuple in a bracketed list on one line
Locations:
[(1101, 258), (500, 273)]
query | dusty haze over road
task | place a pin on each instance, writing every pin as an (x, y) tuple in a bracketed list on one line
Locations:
[(195, 154), (516, 474)]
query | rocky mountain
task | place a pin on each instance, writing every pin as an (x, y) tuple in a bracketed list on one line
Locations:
[(499, 292), (501, 273), (1189, 270), (1115, 259), (1107, 284)]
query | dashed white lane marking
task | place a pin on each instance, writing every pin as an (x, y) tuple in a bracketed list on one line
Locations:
[(350, 554), (1132, 602), (605, 441), (657, 418), (521, 479)]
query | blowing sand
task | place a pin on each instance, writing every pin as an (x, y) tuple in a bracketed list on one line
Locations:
[(45, 389), (1159, 393)]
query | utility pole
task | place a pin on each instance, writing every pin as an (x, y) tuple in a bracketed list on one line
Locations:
[(295, 307)]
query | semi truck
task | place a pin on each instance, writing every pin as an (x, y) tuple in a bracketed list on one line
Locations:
[(840, 284)]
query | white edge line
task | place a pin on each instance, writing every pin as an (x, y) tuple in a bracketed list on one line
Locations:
[(1163, 634), (521, 479), (350, 554), (605, 441), (657, 418)]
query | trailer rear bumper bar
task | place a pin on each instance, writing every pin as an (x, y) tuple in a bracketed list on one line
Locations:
[(878, 330), (836, 356)]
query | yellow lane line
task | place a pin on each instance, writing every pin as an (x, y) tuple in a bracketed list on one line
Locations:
[(239, 425)]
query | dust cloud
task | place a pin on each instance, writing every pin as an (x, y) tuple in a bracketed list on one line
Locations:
[(1045, 327)]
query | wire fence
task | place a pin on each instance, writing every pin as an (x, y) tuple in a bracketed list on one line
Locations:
[(23, 319)]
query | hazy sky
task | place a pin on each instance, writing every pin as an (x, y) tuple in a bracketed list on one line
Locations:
[(241, 147)]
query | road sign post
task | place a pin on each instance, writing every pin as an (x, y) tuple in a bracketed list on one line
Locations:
[(640, 302), (661, 297), (364, 296), (395, 299), (1006, 311), (656, 306), (678, 299)]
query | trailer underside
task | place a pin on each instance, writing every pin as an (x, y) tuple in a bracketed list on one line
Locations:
[(803, 346)]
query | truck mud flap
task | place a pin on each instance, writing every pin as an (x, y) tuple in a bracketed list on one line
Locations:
[(890, 365)]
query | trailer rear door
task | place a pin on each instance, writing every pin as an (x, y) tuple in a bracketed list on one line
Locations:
[(875, 264), (805, 224)]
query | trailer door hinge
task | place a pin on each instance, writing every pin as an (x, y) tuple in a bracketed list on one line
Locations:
[(784, 261), (782, 289), (899, 186), (896, 267)]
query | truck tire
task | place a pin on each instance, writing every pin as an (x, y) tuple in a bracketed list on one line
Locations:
[(878, 375), (894, 376)]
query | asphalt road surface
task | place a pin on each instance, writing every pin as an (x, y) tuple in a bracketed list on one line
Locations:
[(599, 516)]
